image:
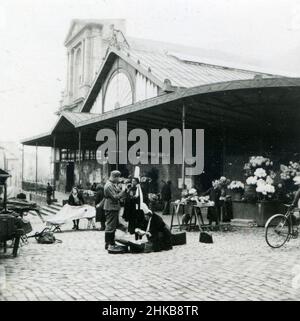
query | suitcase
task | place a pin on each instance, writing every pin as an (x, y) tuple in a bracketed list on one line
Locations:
[(178, 237), (7, 227)]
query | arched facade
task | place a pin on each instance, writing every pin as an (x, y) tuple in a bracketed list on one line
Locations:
[(119, 91)]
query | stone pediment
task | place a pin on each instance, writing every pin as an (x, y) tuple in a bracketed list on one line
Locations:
[(78, 25)]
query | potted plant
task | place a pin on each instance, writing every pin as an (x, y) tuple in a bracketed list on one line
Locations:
[(259, 168), (286, 186), (259, 196), (236, 189)]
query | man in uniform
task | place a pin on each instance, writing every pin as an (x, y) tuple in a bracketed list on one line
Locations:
[(112, 193)]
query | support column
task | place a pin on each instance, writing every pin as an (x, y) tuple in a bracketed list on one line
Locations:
[(22, 168), (68, 73), (183, 145), (79, 156), (117, 146), (87, 60), (224, 144), (54, 165), (36, 168)]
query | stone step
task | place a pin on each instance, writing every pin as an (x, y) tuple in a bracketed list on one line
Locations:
[(48, 211), (240, 222), (55, 207)]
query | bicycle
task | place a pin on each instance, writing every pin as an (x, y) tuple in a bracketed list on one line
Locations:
[(280, 228)]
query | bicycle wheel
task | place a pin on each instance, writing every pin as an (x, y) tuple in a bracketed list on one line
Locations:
[(277, 230)]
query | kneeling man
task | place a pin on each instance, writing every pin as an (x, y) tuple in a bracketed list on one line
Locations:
[(159, 237)]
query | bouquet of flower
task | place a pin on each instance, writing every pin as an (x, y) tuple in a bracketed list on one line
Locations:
[(287, 175), (222, 182), (290, 171), (153, 197), (145, 179), (265, 189), (256, 162), (189, 195), (260, 178), (236, 186), (88, 193)]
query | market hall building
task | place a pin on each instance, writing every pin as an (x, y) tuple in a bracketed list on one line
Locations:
[(153, 85)]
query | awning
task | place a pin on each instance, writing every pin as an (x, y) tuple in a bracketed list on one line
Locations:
[(235, 105)]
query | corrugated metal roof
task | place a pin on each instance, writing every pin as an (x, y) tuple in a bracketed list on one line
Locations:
[(76, 117), (186, 74)]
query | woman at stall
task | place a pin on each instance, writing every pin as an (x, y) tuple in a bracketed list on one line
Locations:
[(75, 199), (213, 213), (132, 212)]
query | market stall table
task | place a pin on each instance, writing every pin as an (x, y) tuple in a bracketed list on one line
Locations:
[(196, 214)]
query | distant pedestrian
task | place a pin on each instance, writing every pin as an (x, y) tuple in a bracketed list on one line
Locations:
[(49, 193), (166, 196)]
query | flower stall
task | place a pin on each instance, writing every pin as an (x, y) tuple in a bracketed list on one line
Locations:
[(261, 196)]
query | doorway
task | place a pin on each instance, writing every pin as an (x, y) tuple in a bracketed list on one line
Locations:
[(70, 176)]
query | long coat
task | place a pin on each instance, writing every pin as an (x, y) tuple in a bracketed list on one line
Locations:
[(100, 214), (166, 192), (72, 202), (132, 213), (161, 237), (112, 194)]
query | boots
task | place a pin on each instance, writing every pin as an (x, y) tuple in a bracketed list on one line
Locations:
[(109, 239), (75, 225), (102, 228)]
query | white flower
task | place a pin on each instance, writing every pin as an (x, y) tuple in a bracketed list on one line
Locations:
[(260, 172), (236, 185), (269, 180), (261, 182), (192, 191), (251, 180), (265, 188)]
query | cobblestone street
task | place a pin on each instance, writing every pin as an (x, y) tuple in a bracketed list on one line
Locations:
[(238, 266)]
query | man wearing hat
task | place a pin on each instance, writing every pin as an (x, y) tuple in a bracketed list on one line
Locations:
[(112, 194)]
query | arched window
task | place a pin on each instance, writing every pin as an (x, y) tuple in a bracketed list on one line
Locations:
[(77, 71), (118, 92)]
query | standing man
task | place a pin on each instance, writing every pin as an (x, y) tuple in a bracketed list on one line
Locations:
[(49, 192), (166, 196), (99, 204), (112, 193)]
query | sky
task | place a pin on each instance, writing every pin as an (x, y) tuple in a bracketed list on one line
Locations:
[(262, 33)]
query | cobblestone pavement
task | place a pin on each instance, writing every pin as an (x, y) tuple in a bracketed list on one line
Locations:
[(238, 266)]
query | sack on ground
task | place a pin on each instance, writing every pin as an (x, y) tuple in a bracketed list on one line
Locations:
[(46, 237), (205, 238)]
